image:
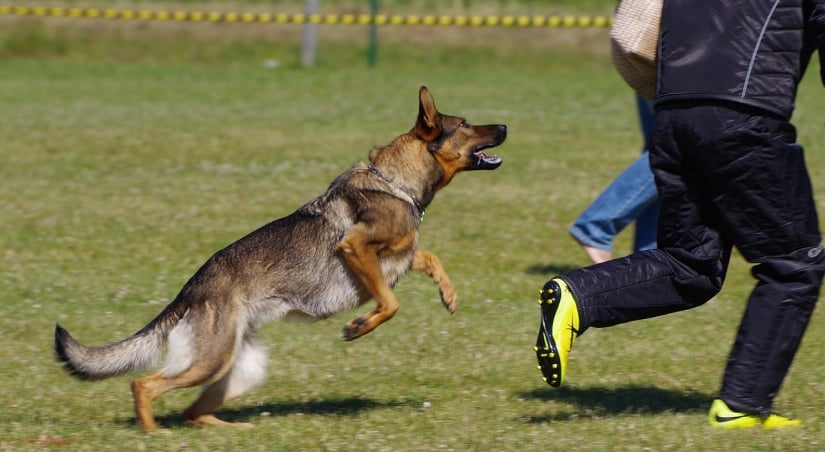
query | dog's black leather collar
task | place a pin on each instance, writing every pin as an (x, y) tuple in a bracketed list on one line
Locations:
[(401, 188)]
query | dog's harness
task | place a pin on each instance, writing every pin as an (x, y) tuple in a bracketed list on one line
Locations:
[(412, 199)]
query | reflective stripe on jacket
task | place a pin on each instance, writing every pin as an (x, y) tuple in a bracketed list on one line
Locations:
[(751, 52)]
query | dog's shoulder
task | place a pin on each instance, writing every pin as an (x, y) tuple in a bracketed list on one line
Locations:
[(358, 193), (356, 186), (356, 179)]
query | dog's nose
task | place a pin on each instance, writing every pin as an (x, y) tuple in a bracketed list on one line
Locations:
[(502, 129)]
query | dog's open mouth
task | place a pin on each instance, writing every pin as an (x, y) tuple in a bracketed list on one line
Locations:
[(484, 161), (497, 133)]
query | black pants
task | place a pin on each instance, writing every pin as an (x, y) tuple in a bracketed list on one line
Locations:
[(726, 177)]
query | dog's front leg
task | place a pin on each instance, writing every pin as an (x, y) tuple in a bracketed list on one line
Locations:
[(429, 263), (361, 254)]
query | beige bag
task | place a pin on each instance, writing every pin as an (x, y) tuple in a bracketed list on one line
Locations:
[(634, 39)]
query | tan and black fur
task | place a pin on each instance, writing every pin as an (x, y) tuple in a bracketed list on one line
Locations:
[(332, 255)]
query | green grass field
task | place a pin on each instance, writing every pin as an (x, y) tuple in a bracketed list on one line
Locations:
[(132, 152)]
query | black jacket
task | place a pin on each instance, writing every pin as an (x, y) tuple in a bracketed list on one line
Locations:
[(751, 52)]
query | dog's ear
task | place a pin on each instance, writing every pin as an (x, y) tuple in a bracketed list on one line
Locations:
[(427, 127)]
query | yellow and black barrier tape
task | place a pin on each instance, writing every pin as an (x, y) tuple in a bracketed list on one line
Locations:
[(297, 18)]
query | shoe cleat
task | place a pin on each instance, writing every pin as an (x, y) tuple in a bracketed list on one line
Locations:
[(559, 328)]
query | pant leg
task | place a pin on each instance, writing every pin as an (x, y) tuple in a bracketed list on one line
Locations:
[(725, 176), (630, 197), (647, 218), (644, 237), (767, 205), (630, 194), (690, 264), (771, 330), (644, 108)]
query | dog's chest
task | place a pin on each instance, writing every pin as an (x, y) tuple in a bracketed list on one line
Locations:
[(396, 264)]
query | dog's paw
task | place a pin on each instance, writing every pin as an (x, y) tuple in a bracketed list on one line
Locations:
[(449, 298), (211, 420), (354, 329)]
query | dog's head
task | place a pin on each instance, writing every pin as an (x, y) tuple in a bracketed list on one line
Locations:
[(456, 144), (438, 147)]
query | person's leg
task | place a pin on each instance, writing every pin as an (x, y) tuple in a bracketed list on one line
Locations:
[(644, 108), (685, 271), (691, 262), (644, 237), (771, 329), (647, 219), (766, 200), (630, 194), (630, 197)]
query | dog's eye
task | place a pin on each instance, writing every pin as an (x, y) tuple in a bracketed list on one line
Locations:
[(463, 124)]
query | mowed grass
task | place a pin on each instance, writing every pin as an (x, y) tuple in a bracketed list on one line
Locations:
[(129, 157)]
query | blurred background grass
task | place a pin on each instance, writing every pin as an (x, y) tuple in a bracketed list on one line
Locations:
[(134, 150)]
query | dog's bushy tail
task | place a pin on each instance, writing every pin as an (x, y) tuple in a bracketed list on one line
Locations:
[(136, 352)]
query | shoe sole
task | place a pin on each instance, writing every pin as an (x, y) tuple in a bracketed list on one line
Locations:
[(547, 353)]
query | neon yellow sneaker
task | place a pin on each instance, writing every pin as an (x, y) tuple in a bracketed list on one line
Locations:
[(721, 415), (777, 421), (559, 328)]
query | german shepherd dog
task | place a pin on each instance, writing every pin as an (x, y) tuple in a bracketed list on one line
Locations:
[(332, 255)]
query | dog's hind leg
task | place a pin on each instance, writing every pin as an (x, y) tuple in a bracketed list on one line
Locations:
[(248, 370), (429, 263), (192, 360), (147, 389)]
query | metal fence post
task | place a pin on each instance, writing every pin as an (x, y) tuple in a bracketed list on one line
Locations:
[(372, 54), (309, 35)]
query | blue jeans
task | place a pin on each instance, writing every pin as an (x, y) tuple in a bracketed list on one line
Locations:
[(631, 196)]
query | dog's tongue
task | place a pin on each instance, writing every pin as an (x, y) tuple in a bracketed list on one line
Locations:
[(487, 162)]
